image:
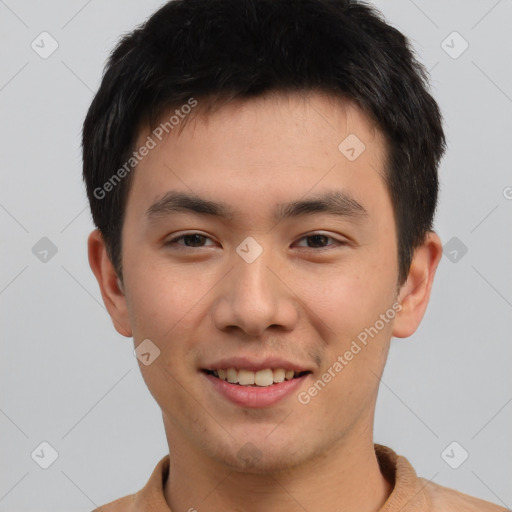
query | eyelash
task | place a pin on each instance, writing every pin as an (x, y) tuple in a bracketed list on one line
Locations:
[(174, 241)]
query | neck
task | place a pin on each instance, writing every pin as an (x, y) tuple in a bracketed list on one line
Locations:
[(347, 478)]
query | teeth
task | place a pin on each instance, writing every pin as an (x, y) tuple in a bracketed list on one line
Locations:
[(260, 378), (246, 378), (232, 375), (279, 375), (264, 377)]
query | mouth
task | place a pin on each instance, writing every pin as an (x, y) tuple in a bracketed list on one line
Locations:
[(256, 388), (258, 379)]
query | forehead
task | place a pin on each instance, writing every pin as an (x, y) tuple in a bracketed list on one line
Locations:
[(314, 114), (287, 144)]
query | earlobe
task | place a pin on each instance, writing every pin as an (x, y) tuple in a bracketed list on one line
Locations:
[(110, 285), (415, 292)]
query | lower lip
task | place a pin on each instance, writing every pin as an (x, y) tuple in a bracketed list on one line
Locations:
[(256, 397)]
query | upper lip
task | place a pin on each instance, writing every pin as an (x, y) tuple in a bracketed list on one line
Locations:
[(255, 365)]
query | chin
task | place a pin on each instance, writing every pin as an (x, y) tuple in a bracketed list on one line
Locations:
[(270, 459)]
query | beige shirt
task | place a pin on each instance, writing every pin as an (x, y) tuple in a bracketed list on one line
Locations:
[(410, 493)]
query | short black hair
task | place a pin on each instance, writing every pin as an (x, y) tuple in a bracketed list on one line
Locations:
[(216, 51)]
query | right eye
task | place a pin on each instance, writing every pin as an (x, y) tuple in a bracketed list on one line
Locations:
[(195, 240)]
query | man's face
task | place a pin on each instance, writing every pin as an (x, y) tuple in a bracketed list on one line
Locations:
[(253, 291)]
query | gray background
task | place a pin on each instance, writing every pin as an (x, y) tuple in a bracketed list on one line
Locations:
[(69, 379)]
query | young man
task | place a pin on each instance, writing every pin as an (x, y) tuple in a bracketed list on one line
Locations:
[(263, 176)]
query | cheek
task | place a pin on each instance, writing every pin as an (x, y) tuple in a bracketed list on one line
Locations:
[(161, 297), (350, 298), (351, 301)]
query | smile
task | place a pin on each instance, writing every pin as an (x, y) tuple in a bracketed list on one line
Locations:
[(261, 378), (255, 389)]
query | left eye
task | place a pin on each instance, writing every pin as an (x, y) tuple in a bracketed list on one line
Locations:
[(319, 241)]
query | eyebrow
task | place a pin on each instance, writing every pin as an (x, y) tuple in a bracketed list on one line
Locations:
[(334, 203)]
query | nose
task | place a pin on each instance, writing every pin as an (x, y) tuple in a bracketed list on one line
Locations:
[(256, 296)]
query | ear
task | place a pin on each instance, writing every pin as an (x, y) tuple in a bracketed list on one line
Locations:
[(415, 292), (110, 286)]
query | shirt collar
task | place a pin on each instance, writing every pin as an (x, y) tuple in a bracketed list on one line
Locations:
[(406, 495)]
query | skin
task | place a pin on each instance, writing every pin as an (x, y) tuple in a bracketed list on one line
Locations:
[(301, 299)]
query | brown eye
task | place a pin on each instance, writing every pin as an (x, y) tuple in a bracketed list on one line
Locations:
[(190, 240), (317, 240), (320, 241)]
